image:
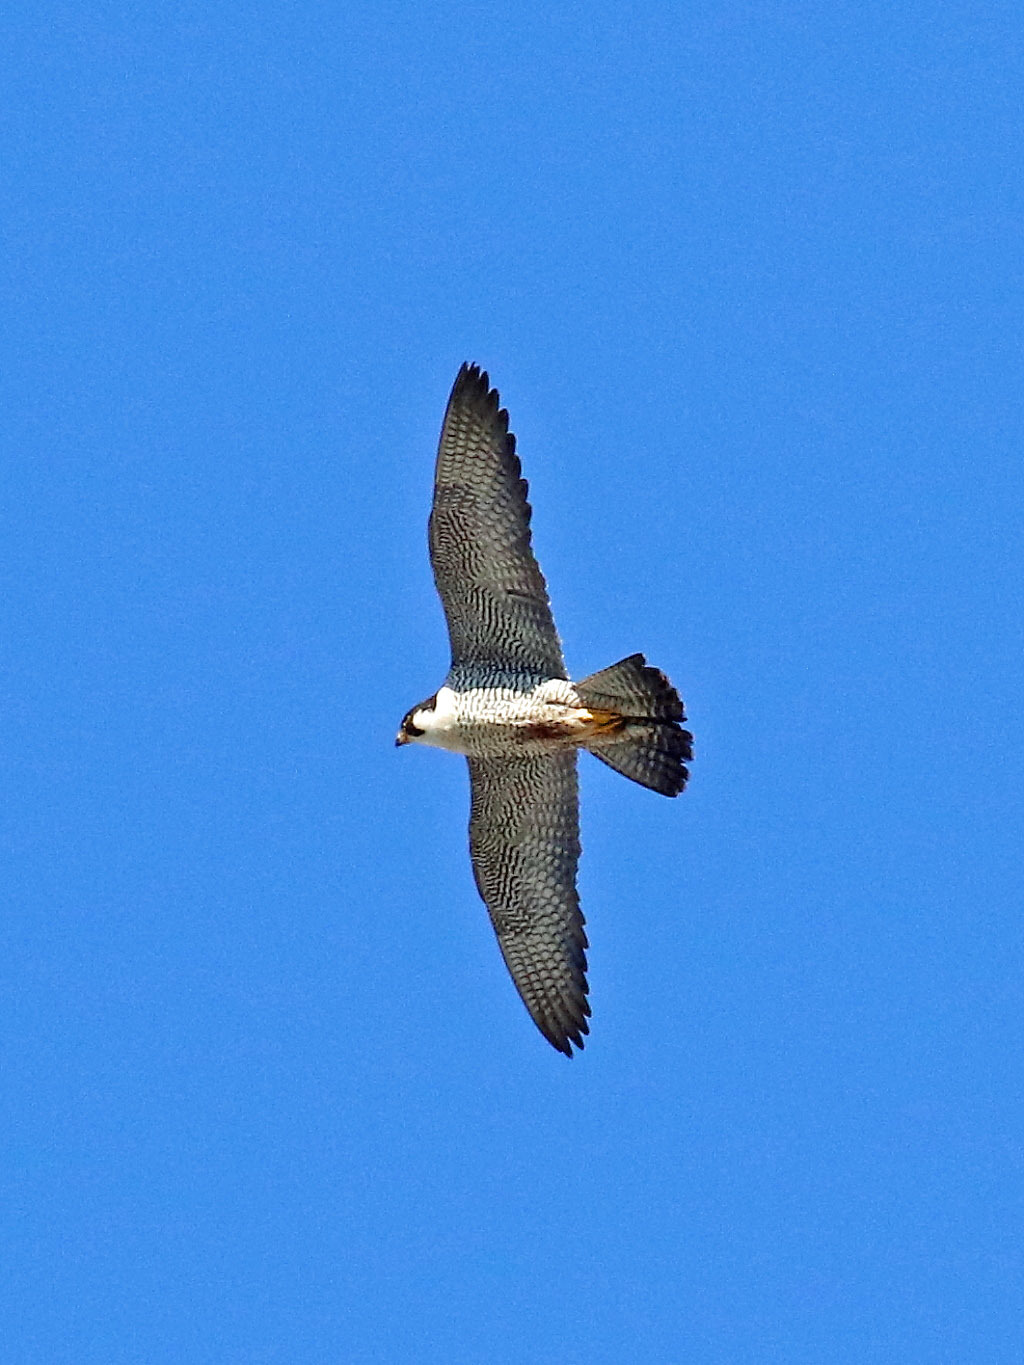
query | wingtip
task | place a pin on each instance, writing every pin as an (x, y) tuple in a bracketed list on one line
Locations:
[(472, 389), (565, 1045), (471, 376), (564, 1038)]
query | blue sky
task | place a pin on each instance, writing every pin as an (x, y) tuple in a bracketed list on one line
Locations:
[(749, 280)]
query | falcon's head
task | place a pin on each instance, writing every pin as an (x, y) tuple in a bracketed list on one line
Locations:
[(416, 723)]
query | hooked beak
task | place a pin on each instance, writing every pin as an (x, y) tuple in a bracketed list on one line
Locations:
[(400, 739)]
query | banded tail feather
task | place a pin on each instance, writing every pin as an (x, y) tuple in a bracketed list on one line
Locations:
[(650, 745)]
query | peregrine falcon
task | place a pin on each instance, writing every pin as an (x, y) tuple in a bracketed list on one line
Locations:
[(508, 705)]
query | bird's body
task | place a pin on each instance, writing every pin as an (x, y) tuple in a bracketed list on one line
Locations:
[(491, 722), (508, 705)]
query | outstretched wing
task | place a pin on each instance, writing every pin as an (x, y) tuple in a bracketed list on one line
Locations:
[(525, 844), (493, 592)]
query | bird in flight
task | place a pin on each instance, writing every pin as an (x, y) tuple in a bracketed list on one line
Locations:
[(508, 705)]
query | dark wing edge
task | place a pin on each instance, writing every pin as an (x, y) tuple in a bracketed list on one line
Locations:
[(525, 846), (493, 592)]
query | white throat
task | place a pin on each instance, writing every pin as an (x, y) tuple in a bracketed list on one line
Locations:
[(439, 725)]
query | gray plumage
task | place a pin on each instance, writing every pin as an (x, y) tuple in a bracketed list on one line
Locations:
[(493, 592), (525, 844), (507, 704)]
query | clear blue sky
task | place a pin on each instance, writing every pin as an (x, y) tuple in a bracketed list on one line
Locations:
[(749, 280)]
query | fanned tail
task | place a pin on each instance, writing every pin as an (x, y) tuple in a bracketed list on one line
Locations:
[(649, 746)]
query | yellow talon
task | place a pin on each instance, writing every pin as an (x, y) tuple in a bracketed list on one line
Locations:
[(606, 722)]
